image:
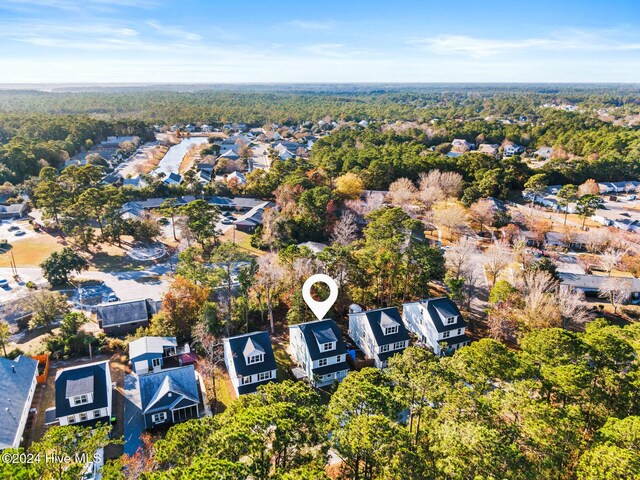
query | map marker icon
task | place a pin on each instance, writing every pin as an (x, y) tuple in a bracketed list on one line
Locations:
[(320, 309)]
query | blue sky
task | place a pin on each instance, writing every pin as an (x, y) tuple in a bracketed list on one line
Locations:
[(179, 41)]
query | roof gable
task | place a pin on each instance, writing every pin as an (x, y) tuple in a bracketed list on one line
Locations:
[(244, 346)]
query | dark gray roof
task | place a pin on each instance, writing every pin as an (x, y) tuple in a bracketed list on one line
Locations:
[(117, 313), (262, 342), (72, 380), (79, 386), (309, 330), (375, 317), (16, 378), (154, 386), (445, 307)]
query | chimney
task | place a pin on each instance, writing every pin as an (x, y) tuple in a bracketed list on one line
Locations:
[(13, 367)]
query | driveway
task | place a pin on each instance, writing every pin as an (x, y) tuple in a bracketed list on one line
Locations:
[(133, 421)]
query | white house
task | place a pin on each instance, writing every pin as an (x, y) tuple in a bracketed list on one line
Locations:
[(250, 361), (436, 321), (511, 150), (17, 386), (544, 152), (84, 393), (319, 350), (379, 333), (151, 354), (489, 148)]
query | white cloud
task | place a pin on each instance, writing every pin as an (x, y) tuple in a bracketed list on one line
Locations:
[(484, 47)]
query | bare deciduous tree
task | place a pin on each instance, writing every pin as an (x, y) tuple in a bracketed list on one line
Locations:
[(402, 192), (617, 291), (345, 230), (450, 215), (598, 240), (449, 183), (482, 212), (461, 255), (497, 257), (572, 307), (268, 282), (611, 258)]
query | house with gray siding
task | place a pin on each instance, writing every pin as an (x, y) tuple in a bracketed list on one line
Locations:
[(319, 350), (170, 396), (151, 354), (438, 323), (250, 361), (379, 333)]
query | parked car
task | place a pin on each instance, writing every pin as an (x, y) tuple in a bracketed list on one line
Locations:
[(13, 228), (4, 283), (227, 221), (20, 233)]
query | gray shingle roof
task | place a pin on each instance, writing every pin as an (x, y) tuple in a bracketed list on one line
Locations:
[(239, 344), (73, 379), (445, 307), (181, 381), (16, 378), (117, 313), (376, 317), (309, 330)]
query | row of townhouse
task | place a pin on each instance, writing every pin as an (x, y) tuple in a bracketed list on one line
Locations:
[(166, 389)]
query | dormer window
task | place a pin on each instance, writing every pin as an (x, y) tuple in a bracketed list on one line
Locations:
[(80, 400), (391, 330), (255, 359), (328, 346), (451, 320)]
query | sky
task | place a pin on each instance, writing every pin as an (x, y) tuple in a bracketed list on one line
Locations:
[(249, 41)]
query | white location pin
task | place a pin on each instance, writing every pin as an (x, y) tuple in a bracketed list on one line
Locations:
[(320, 309)]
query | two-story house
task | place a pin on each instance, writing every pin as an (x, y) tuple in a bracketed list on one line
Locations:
[(319, 350), (150, 354), (379, 333), (170, 396), (250, 361), (84, 394), (436, 322), (18, 380)]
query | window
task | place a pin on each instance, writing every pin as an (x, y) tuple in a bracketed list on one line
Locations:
[(159, 417), (459, 331), (327, 346), (398, 345), (81, 399), (446, 334), (97, 413), (391, 330), (83, 416), (328, 376), (264, 376), (71, 419), (451, 320), (255, 359), (156, 362), (384, 348), (323, 362), (246, 380), (338, 358)]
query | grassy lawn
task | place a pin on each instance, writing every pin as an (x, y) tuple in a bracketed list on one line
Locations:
[(106, 261), (243, 240), (283, 360), (224, 390), (30, 252)]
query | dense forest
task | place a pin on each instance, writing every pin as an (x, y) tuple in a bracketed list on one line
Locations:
[(44, 128)]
